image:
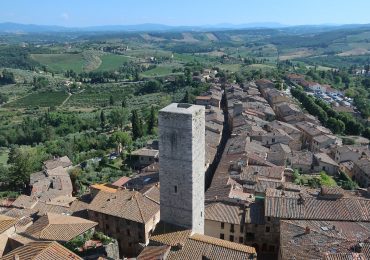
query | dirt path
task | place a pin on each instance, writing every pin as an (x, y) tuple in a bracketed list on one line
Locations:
[(69, 95)]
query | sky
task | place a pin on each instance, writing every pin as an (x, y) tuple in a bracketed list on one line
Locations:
[(82, 13)]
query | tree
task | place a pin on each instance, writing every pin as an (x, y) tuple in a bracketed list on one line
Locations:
[(7, 77), (152, 121), (24, 161), (102, 119), (336, 125), (137, 125), (187, 98), (118, 117), (40, 82), (3, 98), (124, 103), (354, 128), (366, 133), (120, 137), (111, 100)]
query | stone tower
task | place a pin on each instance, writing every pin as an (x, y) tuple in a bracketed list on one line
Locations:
[(182, 165)]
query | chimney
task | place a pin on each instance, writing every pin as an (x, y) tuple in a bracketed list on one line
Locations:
[(307, 230), (238, 108)]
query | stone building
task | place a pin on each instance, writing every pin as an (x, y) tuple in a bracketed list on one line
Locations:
[(128, 216), (225, 220), (182, 165), (361, 172)]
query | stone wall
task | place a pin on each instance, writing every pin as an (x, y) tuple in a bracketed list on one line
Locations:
[(182, 165)]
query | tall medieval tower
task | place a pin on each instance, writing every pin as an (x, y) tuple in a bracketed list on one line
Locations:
[(182, 165)]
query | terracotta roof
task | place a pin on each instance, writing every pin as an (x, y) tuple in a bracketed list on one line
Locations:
[(24, 201), (23, 240), (121, 181), (224, 212), (152, 193), (186, 245), (223, 243), (301, 158), (363, 164), (203, 98), (253, 172), (323, 157), (303, 205), (303, 239), (6, 223), (154, 252), (58, 227), (198, 246), (344, 256), (173, 238), (125, 204), (57, 171), (104, 187), (312, 129), (54, 163), (41, 251)]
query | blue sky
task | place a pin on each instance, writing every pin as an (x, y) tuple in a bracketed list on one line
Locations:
[(187, 12)]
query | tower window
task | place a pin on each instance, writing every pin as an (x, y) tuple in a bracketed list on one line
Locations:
[(175, 188)]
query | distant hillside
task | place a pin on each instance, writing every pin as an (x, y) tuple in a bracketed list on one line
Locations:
[(152, 27)]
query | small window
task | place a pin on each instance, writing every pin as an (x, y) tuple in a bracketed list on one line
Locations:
[(241, 228), (128, 232), (241, 240), (175, 188), (106, 226), (231, 238), (323, 168), (250, 236), (267, 229), (117, 229), (268, 218), (222, 225), (222, 236), (273, 140), (232, 228)]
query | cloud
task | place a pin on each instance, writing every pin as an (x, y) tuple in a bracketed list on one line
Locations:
[(65, 16)]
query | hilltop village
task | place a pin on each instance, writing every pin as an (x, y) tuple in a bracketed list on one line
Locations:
[(244, 173)]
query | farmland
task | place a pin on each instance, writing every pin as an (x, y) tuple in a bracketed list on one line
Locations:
[(112, 62), (43, 99), (61, 62)]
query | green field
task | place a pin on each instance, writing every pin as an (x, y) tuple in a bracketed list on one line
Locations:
[(61, 62), (3, 156), (44, 99), (158, 71), (112, 62)]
